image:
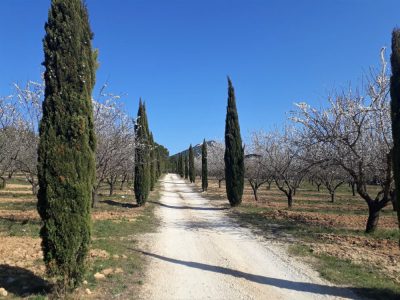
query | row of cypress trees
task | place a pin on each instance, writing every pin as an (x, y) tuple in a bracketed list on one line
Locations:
[(66, 152), (149, 157), (233, 158)]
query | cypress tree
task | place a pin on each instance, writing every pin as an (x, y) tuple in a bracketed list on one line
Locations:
[(395, 113), (158, 162), (192, 176), (186, 167), (153, 162), (181, 165), (204, 172), (66, 152), (142, 167), (234, 152)]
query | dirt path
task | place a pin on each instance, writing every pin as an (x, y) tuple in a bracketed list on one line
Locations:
[(200, 253)]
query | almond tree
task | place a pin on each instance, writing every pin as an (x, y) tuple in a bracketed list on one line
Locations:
[(356, 127), (216, 165), (284, 157), (8, 136), (257, 167)]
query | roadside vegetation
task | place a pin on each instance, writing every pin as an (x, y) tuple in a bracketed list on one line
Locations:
[(114, 269), (329, 236)]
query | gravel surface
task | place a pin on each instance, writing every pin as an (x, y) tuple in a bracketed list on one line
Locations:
[(200, 253)]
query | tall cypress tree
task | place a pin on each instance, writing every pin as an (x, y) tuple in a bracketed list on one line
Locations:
[(234, 152), (186, 167), (181, 165), (142, 166), (395, 112), (192, 174), (204, 172), (66, 152), (153, 162)]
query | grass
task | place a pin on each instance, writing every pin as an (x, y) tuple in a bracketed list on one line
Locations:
[(367, 280), (12, 227), (118, 237), (251, 215)]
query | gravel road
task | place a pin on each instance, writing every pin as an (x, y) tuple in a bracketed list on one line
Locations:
[(200, 253)]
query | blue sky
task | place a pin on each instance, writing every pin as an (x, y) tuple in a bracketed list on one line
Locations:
[(176, 55)]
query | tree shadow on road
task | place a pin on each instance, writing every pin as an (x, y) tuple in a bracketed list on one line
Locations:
[(280, 283), (187, 207), (22, 282)]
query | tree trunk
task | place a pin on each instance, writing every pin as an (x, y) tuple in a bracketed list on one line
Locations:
[(294, 192), (123, 182), (373, 218), (393, 199), (269, 186), (95, 199), (332, 197), (318, 186), (2, 183), (290, 199), (255, 193), (111, 190), (353, 188)]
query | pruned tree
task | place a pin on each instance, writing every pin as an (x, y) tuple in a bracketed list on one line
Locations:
[(216, 164), (356, 128), (284, 159), (258, 170)]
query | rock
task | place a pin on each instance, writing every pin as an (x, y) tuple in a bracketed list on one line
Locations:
[(124, 256), (3, 292), (118, 271), (88, 291), (115, 256), (107, 271), (99, 276), (85, 282)]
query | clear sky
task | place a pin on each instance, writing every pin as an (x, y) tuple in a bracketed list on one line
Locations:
[(176, 54)]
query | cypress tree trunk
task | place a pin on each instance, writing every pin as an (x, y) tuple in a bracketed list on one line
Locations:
[(395, 112), (204, 172), (234, 152), (66, 160), (142, 166), (192, 172)]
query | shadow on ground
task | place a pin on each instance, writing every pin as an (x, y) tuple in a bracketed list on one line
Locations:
[(22, 282), (308, 287), (119, 204), (187, 207)]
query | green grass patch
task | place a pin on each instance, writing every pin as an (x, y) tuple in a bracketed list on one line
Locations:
[(12, 227), (21, 205), (367, 281), (120, 238)]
